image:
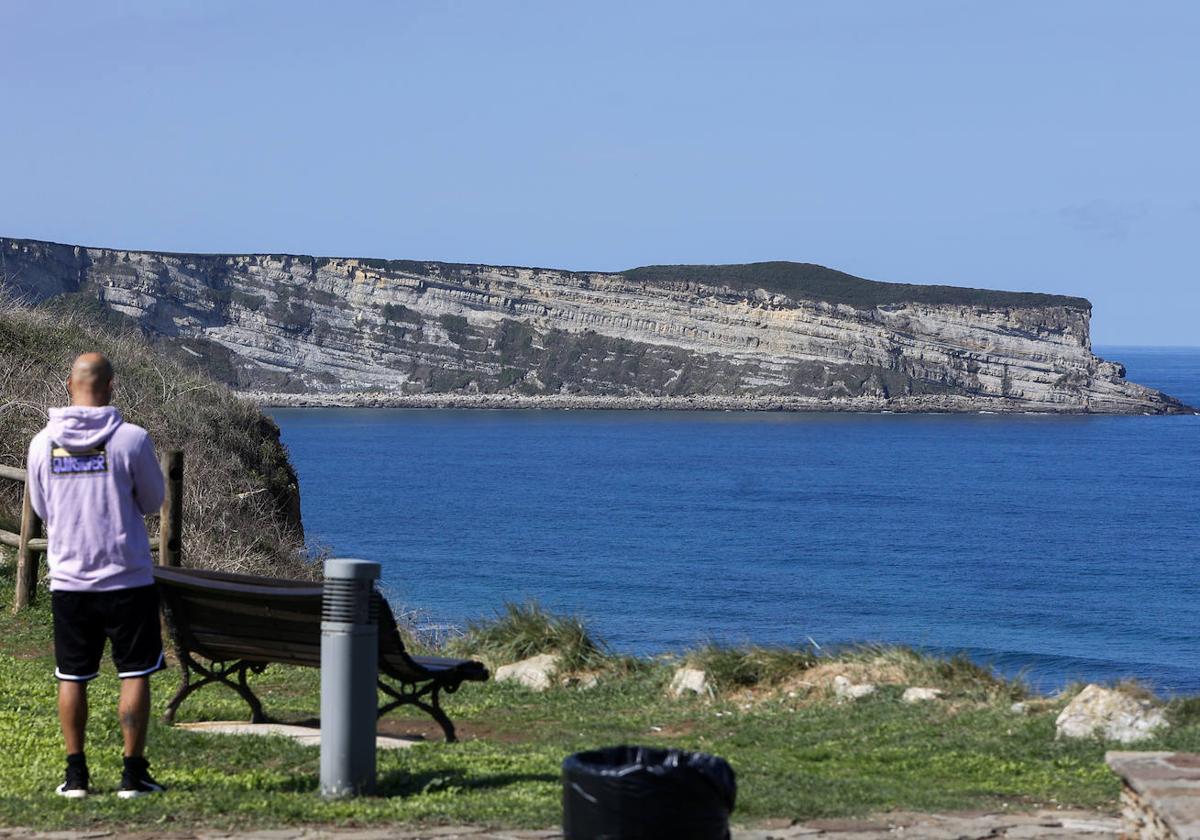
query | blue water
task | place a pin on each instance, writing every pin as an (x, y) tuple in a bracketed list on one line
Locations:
[(1064, 547)]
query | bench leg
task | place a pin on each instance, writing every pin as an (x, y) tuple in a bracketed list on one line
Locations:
[(218, 673), (257, 715), (435, 709), (412, 697), (184, 690)]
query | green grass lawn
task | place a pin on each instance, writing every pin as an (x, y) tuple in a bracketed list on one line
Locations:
[(794, 758)]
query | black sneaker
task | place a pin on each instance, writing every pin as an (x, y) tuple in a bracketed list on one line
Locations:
[(76, 784), (136, 781)]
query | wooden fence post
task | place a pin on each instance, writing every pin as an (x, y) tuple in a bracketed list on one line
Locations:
[(27, 558), (170, 523)]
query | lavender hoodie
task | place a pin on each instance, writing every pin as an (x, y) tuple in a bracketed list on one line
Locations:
[(92, 477)]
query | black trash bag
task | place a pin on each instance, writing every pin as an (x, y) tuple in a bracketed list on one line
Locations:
[(643, 792)]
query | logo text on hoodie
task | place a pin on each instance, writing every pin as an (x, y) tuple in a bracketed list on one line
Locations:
[(63, 462)]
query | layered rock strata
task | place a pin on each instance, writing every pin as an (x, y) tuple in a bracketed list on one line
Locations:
[(776, 335)]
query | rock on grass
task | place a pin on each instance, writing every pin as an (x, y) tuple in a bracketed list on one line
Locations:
[(534, 673), (1111, 714), (689, 680), (846, 690)]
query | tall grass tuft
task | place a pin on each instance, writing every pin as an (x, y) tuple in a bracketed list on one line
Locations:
[(520, 631), (749, 667), (1184, 711)]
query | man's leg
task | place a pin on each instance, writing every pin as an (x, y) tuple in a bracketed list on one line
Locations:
[(137, 652), (78, 645), (134, 710), (72, 713), (72, 716)]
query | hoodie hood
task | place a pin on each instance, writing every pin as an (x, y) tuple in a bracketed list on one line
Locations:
[(83, 427)]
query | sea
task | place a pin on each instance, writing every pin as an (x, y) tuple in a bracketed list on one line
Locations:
[(1058, 548)]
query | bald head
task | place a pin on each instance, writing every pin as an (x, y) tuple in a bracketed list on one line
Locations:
[(90, 382)]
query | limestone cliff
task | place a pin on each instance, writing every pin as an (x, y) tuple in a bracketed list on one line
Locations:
[(781, 334)]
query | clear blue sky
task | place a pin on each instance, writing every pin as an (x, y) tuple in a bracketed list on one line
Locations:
[(1050, 146)]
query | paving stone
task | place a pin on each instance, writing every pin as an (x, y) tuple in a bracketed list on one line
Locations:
[(305, 735), (1161, 792), (773, 825), (836, 825), (1092, 826), (446, 832), (1030, 832)]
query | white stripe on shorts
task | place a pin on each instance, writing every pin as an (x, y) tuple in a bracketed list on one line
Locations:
[(158, 666), (74, 678)]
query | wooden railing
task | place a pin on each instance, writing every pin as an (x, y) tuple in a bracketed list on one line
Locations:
[(30, 543)]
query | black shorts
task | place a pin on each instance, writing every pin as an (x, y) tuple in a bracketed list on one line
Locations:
[(128, 617)]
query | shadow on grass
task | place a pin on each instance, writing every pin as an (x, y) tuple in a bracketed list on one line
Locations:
[(401, 783), (314, 723)]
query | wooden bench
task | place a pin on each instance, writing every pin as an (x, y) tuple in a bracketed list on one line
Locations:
[(242, 623)]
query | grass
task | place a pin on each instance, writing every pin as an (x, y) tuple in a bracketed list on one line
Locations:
[(795, 758)]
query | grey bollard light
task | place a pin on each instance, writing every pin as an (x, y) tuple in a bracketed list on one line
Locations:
[(349, 668)]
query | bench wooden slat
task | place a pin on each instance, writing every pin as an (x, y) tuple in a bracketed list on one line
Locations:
[(277, 655), (248, 613), (221, 636), (196, 577), (235, 631)]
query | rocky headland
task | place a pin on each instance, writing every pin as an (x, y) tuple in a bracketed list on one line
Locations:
[(300, 330)]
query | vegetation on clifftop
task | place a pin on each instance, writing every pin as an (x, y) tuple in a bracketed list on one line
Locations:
[(241, 499), (807, 281)]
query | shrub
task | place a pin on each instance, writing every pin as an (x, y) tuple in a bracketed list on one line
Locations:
[(290, 315), (455, 325), (249, 301), (396, 313)]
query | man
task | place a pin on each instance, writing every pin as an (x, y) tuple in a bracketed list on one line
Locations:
[(92, 477)]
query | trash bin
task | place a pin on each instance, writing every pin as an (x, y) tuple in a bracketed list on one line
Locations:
[(644, 792)]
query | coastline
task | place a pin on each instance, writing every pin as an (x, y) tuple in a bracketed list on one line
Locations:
[(941, 404)]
